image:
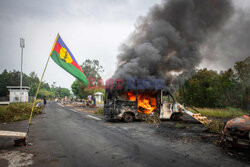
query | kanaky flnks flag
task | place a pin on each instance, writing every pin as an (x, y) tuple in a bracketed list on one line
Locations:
[(61, 54)]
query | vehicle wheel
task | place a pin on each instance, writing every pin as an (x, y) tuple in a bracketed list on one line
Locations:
[(128, 117), (176, 117)]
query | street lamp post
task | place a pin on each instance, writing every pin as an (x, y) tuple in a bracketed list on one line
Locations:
[(22, 45)]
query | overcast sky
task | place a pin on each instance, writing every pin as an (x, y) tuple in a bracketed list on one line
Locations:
[(92, 29)]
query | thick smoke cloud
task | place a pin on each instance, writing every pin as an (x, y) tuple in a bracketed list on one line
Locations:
[(230, 44), (167, 41)]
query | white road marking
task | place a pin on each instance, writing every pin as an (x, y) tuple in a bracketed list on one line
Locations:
[(78, 112), (60, 104), (68, 108), (74, 110), (94, 117)]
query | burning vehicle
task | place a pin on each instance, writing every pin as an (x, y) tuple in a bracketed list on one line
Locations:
[(166, 44), (237, 132), (133, 104)]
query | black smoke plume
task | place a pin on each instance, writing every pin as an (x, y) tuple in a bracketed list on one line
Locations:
[(167, 41)]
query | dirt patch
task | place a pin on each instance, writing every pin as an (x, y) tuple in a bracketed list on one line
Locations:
[(82, 108)]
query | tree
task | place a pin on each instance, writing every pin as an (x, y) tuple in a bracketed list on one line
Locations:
[(62, 92), (45, 93), (33, 81), (243, 72), (201, 89), (229, 89), (207, 88), (91, 68), (4, 78), (12, 78)]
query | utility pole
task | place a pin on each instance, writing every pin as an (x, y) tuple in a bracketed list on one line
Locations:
[(22, 45)]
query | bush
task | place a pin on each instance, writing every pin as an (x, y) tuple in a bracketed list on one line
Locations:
[(99, 111), (17, 112), (215, 127)]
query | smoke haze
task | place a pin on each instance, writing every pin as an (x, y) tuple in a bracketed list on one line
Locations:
[(230, 44), (174, 38)]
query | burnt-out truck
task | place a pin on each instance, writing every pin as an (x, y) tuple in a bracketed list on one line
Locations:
[(131, 105), (134, 104)]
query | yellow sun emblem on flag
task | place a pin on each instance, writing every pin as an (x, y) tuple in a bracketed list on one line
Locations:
[(64, 54)]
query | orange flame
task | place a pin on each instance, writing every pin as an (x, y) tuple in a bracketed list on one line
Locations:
[(146, 103)]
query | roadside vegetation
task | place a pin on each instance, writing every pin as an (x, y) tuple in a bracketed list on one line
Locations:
[(17, 112), (93, 70), (210, 89), (219, 96), (220, 113), (215, 126), (218, 116), (99, 111)]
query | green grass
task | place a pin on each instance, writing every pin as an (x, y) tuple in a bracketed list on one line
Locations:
[(179, 125), (220, 113), (99, 111), (17, 112)]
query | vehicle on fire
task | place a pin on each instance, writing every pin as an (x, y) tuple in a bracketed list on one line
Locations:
[(131, 105)]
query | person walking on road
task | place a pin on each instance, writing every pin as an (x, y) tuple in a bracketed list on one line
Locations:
[(44, 101), (90, 100), (94, 101)]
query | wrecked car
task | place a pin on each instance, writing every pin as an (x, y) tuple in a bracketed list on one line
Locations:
[(237, 132)]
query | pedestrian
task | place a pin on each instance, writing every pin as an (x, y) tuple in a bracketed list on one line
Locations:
[(44, 101), (94, 101), (90, 99)]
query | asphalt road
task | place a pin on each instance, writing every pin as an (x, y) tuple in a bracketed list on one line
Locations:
[(65, 137)]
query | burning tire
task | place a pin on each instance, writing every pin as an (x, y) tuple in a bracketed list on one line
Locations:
[(128, 117)]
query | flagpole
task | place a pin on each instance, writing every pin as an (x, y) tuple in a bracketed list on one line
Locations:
[(37, 90)]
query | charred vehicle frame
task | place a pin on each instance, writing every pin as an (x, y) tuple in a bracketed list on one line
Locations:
[(117, 106)]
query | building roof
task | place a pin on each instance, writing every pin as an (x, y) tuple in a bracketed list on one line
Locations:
[(18, 87), (98, 93)]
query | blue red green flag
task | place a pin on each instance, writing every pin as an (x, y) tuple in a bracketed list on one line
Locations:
[(62, 56)]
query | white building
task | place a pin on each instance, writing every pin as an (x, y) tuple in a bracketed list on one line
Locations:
[(19, 95), (99, 96)]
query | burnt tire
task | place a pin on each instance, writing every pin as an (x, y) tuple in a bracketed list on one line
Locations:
[(176, 117), (128, 117)]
